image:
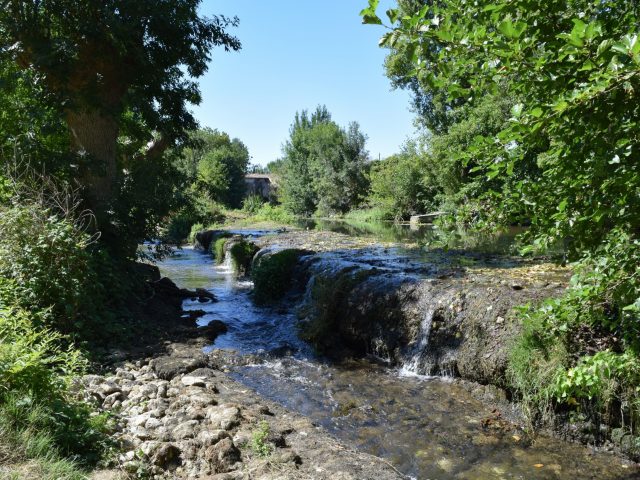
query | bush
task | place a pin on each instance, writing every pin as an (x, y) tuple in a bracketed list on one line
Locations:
[(55, 266), (33, 360), (273, 213), (39, 418), (179, 228), (272, 274), (252, 204), (195, 229), (48, 261), (579, 351)]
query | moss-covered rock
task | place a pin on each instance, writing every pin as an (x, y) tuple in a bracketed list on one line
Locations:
[(242, 253), (218, 249), (205, 239), (272, 273), (326, 302)]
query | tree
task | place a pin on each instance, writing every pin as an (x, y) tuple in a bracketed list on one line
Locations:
[(113, 65), (398, 185), (574, 77), (568, 160), (323, 168), (221, 167)]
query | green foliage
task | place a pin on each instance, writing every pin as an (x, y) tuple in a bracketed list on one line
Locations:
[(218, 249), (70, 107), (252, 204), (242, 254), (32, 359), (584, 345), (603, 376), (323, 166), (180, 227), (48, 261), (221, 167), (399, 186), (536, 122), (39, 418), (259, 440), (195, 229), (273, 213), (367, 215), (272, 274)]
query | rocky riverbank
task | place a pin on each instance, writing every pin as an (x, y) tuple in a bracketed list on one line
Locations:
[(176, 414)]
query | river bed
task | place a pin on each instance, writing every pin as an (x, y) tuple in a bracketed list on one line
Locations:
[(429, 428)]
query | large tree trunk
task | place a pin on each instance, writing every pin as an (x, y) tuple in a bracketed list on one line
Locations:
[(96, 135)]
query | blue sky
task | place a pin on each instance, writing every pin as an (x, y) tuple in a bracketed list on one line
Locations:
[(297, 54)]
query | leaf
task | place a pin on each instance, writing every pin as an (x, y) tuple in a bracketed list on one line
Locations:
[(393, 15), (536, 112), (511, 30), (370, 19)]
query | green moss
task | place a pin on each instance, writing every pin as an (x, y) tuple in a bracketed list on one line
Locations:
[(217, 248), (242, 254), (328, 296), (272, 275)]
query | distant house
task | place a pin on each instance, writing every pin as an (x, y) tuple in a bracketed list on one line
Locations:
[(260, 184)]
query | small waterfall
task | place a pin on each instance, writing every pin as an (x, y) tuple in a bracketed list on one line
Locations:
[(412, 366), (226, 266)]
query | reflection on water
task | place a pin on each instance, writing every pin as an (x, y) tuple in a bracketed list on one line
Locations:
[(428, 428)]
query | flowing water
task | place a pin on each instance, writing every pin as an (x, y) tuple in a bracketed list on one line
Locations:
[(429, 428)]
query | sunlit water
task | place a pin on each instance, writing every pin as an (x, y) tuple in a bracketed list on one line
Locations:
[(429, 428)]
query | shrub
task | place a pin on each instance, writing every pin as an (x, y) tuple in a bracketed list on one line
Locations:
[(39, 418), (33, 360), (179, 228), (48, 261), (579, 351), (259, 440), (252, 204), (271, 274), (273, 213)]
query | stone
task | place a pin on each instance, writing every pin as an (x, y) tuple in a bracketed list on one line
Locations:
[(185, 430), (209, 437), (222, 456), (152, 423), (108, 388), (224, 417), (191, 381), (110, 400), (203, 399), (166, 456), (167, 368)]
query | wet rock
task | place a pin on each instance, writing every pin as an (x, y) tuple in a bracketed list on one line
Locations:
[(213, 330)]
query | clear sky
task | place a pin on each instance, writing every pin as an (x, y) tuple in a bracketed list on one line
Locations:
[(297, 54)]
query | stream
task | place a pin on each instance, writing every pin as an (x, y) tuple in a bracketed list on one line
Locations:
[(427, 427)]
